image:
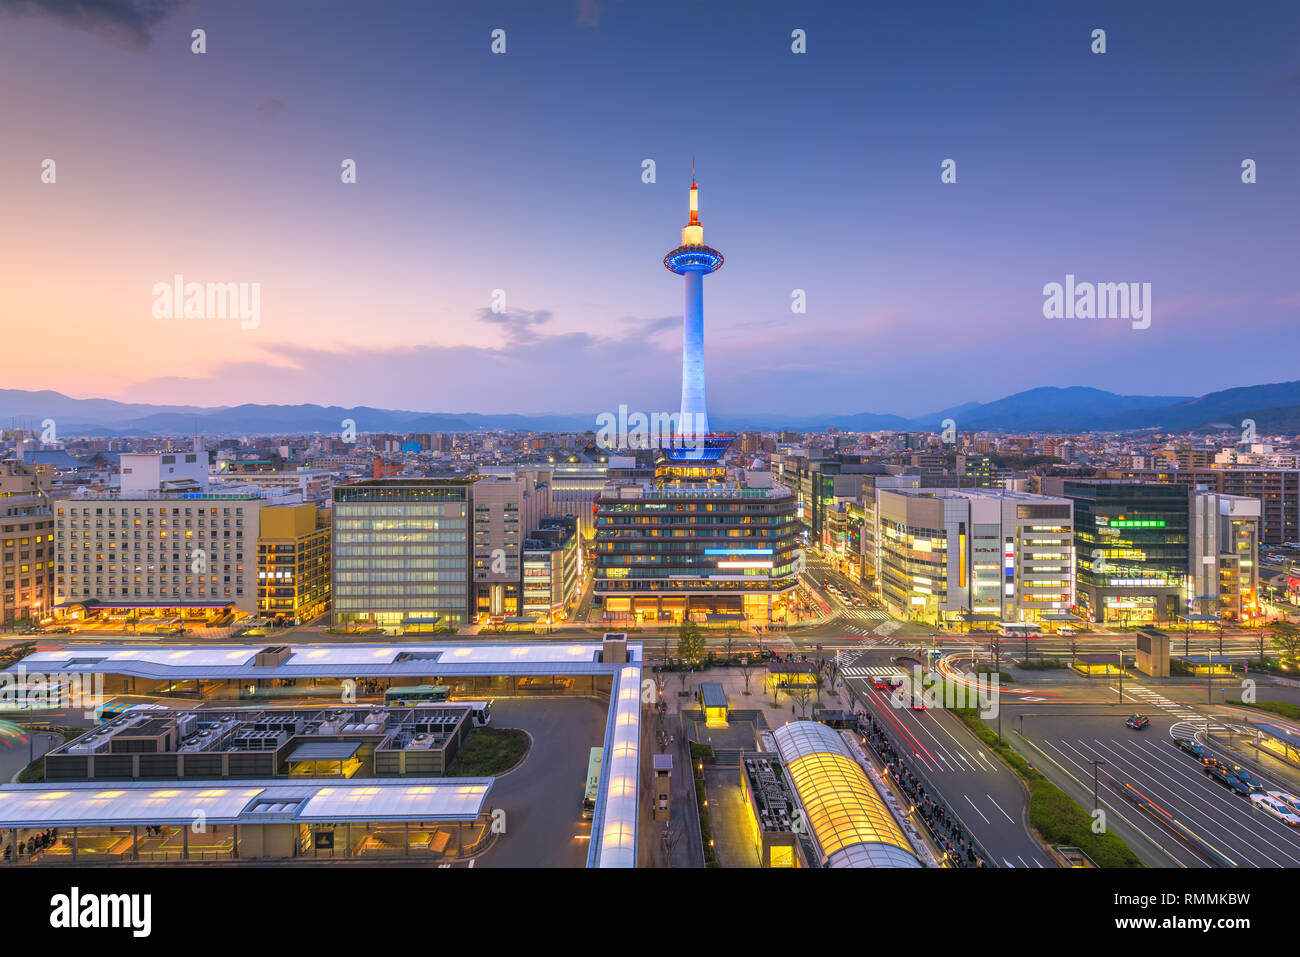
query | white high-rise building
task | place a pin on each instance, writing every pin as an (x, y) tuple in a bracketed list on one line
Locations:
[(949, 556)]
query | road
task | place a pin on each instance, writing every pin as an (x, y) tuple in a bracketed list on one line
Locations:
[(1149, 761), (987, 798)]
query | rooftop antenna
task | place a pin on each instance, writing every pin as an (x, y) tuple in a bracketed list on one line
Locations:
[(693, 183)]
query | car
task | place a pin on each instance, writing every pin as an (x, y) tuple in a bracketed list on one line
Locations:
[(1191, 747), (1227, 780), (918, 703), (1065, 631), (1290, 800), (1246, 778), (1138, 721), (1275, 808), (880, 684)]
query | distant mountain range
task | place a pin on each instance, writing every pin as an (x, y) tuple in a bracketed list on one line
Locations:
[(1274, 408)]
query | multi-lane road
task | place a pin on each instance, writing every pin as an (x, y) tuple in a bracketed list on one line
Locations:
[(978, 789)]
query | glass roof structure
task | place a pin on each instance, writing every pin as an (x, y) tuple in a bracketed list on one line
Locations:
[(90, 803), (850, 822), (614, 819), (187, 662)]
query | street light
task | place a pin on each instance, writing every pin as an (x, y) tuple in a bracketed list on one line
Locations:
[(1096, 762)]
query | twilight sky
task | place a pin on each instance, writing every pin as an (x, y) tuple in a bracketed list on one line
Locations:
[(522, 172)]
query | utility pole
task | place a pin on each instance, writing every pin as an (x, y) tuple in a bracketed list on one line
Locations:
[(1096, 763)]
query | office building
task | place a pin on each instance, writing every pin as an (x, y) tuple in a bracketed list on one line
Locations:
[(504, 509), (1131, 547), (1276, 489), (954, 556), (552, 569), (1224, 548), (162, 471), (27, 547), (402, 550), (293, 562)]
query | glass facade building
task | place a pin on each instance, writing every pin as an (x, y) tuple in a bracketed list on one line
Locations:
[(1131, 544), (401, 549)]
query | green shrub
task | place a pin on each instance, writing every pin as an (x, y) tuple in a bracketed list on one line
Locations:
[(1285, 708), (1052, 812)]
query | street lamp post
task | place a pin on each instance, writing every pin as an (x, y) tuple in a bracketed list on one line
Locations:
[(1096, 763)]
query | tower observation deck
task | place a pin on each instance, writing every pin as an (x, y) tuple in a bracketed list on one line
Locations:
[(693, 260)]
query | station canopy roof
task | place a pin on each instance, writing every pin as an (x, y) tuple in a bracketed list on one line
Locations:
[(848, 817), (398, 659), (107, 803), (1277, 731)]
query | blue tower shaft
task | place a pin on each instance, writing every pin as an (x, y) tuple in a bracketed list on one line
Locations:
[(694, 416)]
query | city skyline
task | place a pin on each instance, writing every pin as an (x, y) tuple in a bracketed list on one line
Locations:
[(920, 294)]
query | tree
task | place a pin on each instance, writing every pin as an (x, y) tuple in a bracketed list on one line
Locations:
[(690, 643), (746, 666), (730, 639), (801, 694), (671, 838), (1286, 636)]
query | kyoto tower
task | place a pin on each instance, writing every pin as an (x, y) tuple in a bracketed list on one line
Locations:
[(693, 260)]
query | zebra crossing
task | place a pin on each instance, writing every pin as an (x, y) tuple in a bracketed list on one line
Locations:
[(878, 634), (1180, 711), (868, 671), (868, 622), (865, 614)]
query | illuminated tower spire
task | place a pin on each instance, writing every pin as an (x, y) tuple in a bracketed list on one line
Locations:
[(693, 260)]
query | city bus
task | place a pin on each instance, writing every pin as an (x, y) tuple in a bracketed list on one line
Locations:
[(480, 712), (1020, 629), (593, 782), (416, 694)]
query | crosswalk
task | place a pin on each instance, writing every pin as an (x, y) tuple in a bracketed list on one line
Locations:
[(865, 614), (1156, 700), (877, 633), (869, 671)]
